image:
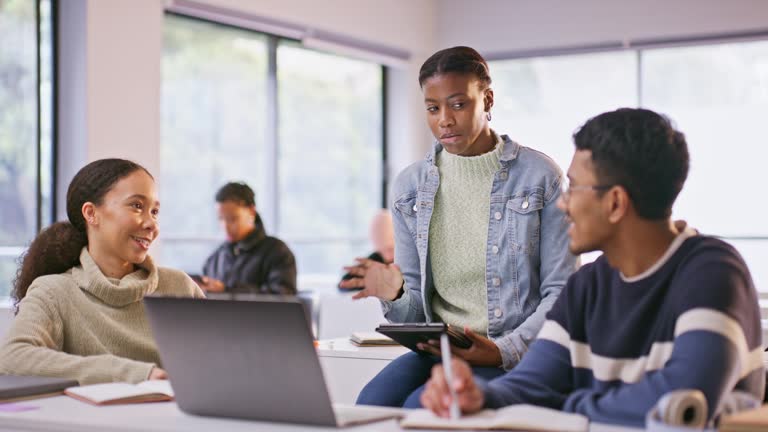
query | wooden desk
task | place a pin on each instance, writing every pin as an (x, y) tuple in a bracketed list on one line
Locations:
[(348, 368), (63, 413)]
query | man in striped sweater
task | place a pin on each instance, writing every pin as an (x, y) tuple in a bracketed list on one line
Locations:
[(662, 309)]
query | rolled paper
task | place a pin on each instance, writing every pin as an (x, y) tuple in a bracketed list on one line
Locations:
[(679, 411), (684, 408)]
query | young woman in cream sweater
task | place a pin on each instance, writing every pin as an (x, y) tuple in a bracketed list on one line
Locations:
[(79, 289)]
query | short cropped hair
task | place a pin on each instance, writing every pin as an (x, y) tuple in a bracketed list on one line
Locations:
[(461, 60), (641, 151), (238, 192)]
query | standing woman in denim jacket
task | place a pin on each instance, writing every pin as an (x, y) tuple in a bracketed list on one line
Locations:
[(479, 241)]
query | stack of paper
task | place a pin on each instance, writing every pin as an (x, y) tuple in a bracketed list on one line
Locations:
[(370, 339)]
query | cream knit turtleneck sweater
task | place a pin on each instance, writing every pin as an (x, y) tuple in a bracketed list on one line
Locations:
[(85, 326), (458, 237)]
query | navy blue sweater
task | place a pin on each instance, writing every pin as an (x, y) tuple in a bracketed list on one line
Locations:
[(612, 346)]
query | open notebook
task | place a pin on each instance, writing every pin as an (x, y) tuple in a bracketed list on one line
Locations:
[(514, 417), (121, 393)]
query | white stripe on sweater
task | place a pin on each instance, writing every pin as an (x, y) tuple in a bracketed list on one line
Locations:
[(631, 370)]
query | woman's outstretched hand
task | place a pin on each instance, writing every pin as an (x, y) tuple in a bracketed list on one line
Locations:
[(379, 280)]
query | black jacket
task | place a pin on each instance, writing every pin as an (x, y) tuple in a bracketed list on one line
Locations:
[(255, 264)]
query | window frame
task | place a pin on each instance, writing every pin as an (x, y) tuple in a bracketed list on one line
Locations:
[(43, 218), (269, 204), (640, 47)]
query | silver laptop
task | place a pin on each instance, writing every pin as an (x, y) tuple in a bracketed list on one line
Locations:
[(250, 359)]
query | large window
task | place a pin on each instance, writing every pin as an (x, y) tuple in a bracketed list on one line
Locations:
[(25, 129), (330, 155), (539, 102), (302, 127), (213, 130), (716, 94)]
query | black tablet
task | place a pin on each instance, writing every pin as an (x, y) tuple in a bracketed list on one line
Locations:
[(410, 334)]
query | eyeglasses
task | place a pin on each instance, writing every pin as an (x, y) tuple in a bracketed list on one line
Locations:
[(567, 188)]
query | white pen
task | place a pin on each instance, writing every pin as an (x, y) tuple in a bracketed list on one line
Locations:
[(445, 351)]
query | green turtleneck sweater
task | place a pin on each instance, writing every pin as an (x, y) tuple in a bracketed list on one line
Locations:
[(458, 236), (85, 326)]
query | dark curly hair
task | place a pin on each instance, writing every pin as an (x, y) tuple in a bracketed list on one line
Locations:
[(641, 151), (461, 60), (57, 248)]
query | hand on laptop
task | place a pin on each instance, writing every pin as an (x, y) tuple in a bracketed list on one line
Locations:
[(483, 352), (437, 397), (158, 374), (377, 280)]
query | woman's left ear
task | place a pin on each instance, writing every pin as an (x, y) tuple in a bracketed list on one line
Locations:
[(488, 99)]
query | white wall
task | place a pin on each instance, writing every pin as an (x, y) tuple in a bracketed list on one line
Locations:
[(509, 25), (110, 84)]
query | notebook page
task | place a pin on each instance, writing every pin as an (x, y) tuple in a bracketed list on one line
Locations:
[(425, 419), (157, 386), (100, 393), (534, 418)]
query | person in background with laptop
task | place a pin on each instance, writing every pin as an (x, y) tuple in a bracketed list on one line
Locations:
[(382, 236), (79, 289), (249, 261), (662, 309), (480, 242)]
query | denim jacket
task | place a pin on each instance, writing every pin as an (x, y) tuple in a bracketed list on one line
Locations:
[(527, 257)]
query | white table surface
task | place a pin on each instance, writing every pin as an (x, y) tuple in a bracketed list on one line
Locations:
[(339, 357), (62, 413), (342, 347), (348, 368)]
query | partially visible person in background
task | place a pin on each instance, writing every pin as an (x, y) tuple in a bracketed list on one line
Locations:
[(382, 236), (249, 261), (79, 289)]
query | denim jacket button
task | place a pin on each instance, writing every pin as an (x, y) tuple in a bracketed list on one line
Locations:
[(503, 175), (495, 249), (497, 313), (525, 204), (497, 216), (496, 281), (415, 208)]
